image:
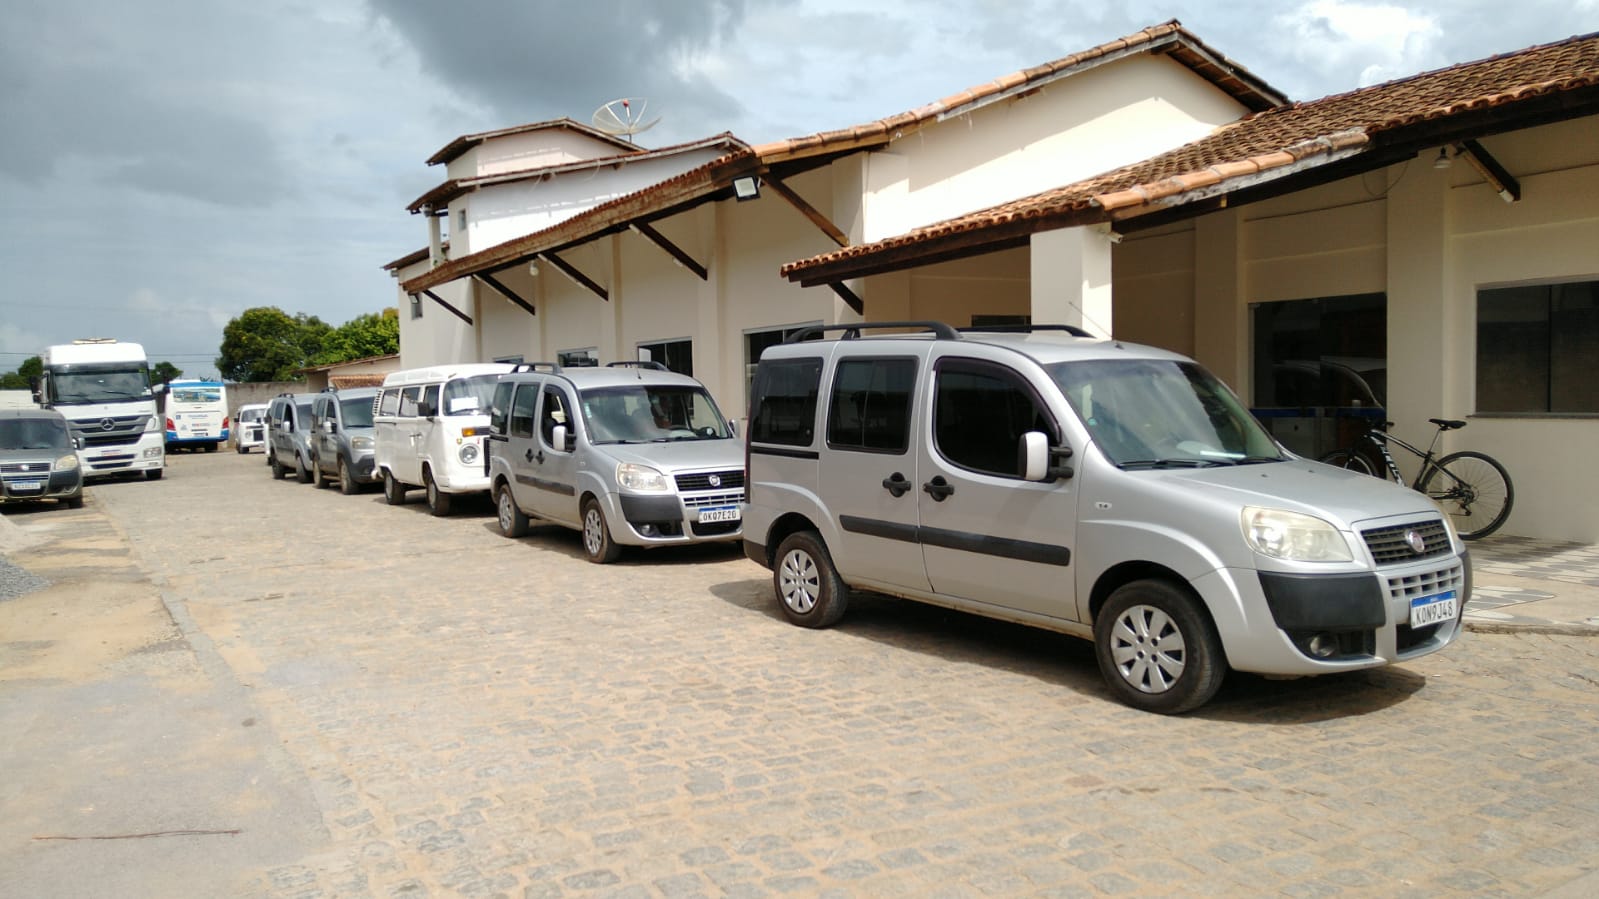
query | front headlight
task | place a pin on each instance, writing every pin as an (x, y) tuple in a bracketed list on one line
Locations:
[(361, 443), (1291, 536), (468, 453), (641, 479), (67, 463)]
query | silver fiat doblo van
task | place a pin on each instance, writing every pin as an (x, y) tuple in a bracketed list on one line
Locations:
[(1106, 490), (630, 454)]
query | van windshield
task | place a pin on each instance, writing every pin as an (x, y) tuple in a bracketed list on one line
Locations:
[(1154, 413), (356, 413), (469, 396), (33, 434), (648, 414)]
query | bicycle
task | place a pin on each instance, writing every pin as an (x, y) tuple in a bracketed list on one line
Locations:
[(1471, 487)]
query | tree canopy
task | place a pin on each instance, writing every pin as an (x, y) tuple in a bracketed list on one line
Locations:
[(165, 372), (267, 344), (30, 369)]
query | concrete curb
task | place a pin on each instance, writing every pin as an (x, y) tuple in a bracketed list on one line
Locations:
[(1532, 627)]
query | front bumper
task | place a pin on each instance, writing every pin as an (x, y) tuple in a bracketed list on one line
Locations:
[(677, 517), (17, 488)]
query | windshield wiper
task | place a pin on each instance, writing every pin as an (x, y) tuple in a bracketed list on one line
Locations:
[(1257, 460), (1169, 463)]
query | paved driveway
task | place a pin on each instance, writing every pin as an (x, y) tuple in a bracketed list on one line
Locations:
[(468, 715)]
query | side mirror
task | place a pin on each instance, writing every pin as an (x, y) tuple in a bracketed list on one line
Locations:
[(732, 428), (329, 427), (1042, 462), (564, 440)]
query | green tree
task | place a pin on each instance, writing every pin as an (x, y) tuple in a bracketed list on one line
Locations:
[(30, 370), (165, 372), (267, 344), (372, 334)]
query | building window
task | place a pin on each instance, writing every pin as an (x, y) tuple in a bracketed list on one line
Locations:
[(1535, 349), (587, 357), (676, 355), (416, 305)]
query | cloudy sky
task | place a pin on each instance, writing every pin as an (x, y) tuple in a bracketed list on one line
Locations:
[(165, 165)]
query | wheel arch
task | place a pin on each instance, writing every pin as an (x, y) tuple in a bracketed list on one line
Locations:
[(786, 524), (1118, 576)]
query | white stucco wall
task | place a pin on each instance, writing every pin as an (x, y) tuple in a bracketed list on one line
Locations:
[(437, 337), (529, 150), (1077, 127)]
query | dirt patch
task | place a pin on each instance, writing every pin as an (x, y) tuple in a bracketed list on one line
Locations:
[(74, 631)]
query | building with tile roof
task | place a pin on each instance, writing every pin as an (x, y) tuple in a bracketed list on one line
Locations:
[(1424, 245)]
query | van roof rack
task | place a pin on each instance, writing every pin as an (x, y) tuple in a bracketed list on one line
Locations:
[(521, 367), (1026, 329), (940, 330), (637, 363)]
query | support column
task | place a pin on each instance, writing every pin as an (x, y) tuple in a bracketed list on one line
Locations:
[(1221, 308), (610, 336), (1071, 279), (711, 345), (1421, 321)]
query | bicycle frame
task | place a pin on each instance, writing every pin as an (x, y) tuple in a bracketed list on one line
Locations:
[(1381, 438)]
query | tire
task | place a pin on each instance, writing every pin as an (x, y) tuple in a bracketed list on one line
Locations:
[(1350, 459), (238, 448), (597, 543), (438, 501), (301, 472), (279, 472), (75, 501), (513, 521), (393, 490), (1473, 489), (809, 590), (1157, 649), (154, 474), (210, 447), (318, 479), (347, 484)]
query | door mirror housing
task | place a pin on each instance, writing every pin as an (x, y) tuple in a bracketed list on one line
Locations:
[(1042, 462), (564, 440)]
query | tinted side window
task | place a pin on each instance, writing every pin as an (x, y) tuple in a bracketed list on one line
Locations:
[(870, 407), (980, 412), (389, 402), (500, 406), (784, 406), (522, 410), (551, 414)]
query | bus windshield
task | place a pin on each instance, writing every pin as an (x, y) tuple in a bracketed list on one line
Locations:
[(83, 384), (205, 395)]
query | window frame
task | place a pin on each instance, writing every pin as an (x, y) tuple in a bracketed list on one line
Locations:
[(977, 366)]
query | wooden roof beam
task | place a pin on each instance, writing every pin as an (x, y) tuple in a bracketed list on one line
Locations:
[(646, 231), (1503, 183), (504, 291), (798, 202), (577, 277), (440, 300)]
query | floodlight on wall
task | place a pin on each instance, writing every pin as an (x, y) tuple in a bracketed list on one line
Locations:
[(1442, 162), (746, 187)]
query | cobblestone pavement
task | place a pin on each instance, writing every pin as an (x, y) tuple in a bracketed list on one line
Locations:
[(483, 717)]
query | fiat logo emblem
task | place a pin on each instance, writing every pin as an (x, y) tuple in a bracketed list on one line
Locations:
[(1416, 542), (107, 424), (715, 480)]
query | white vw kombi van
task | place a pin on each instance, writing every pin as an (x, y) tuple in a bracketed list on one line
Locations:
[(429, 426)]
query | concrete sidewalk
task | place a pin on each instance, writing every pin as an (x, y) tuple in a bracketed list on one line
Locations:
[(1534, 586)]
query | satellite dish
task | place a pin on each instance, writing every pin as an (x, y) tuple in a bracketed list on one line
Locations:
[(624, 117)]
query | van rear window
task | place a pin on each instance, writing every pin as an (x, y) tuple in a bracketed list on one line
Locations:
[(783, 408)]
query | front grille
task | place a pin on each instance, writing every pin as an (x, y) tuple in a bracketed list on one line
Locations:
[(687, 483), (111, 461), (125, 429), (713, 499), (715, 528), (1407, 637), (112, 439), (1389, 547), (19, 468), (1428, 583)]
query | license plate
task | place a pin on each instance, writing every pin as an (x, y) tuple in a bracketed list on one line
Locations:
[(26, 486), (1425, 610), (719, 513)]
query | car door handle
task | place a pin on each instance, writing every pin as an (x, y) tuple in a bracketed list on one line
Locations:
[(938, 488), (529, 456), (896, 484)]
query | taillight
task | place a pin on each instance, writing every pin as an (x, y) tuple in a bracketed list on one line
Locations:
[(171, 426), (224, 421)]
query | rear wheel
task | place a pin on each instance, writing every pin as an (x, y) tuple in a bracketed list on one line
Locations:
[(154, 474), (317, 477), (393, 490), (513, 522), (807, 583), (597, 542), (438, 500), (279, 471), (1473, 489), (1348, 458), (301, 472), (1157, 648), (210, 447)]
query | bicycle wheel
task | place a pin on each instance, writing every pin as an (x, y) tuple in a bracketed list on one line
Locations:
[(1350, 459), (1474, 489)]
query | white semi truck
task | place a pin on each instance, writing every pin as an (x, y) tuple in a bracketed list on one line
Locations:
[(103, 388)]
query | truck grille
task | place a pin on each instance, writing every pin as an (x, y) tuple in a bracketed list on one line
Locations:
[(1388, 545), (123, 430), (689, 483)]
